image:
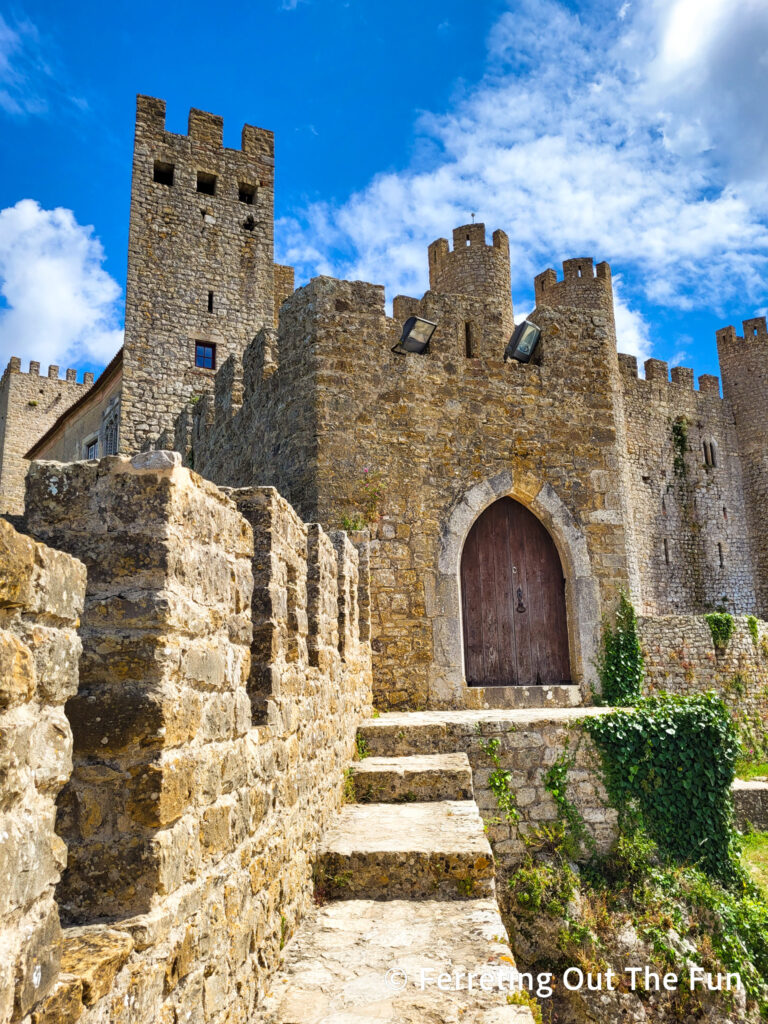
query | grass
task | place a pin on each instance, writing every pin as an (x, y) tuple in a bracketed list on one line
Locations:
[(755, 858), (751, 769)]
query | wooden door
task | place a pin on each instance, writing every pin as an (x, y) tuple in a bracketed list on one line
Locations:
[(513, 601)]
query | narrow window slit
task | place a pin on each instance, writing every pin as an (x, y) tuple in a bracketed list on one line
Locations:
[(666, 551), (468, 350), (210, 302)]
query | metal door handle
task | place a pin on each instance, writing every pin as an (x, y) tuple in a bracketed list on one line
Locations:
[(520, 605)]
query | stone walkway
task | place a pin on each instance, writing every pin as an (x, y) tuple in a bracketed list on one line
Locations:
[(411, 931)]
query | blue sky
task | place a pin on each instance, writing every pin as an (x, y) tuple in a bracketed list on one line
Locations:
[(633, 131)]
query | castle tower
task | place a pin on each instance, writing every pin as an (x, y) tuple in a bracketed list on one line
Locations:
[(584, 286), (474, 268), (586, 290), (744, 369), (200, 263), (29, 405)]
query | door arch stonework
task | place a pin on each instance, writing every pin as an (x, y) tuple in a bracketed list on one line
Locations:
[(447, 684)]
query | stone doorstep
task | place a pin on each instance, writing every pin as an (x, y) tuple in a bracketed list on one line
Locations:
[(433, 850), (406, 733), (334, 970), (750, 801), (561, 695), (420, 778)]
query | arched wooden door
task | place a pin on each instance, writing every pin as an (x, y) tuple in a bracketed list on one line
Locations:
[(513, 601)]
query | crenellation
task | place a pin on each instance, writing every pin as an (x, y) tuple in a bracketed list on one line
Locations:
[(628, 366), (683, 376), (583, 286), (709, 385), (206, 128), (656, 370)]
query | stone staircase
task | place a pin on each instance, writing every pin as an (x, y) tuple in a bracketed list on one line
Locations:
[(406, 889)]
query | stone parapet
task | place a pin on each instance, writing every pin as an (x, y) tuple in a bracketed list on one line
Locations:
[(41, 597), (192, 831)]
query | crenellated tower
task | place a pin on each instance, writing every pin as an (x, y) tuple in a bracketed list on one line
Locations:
[(29, 405), (201, 280), (473, 268), (584, 286), (744, 369)]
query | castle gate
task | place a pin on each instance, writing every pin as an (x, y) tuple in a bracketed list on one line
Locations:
[(513, 601)]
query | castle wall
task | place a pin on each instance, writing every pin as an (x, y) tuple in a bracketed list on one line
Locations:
[(332, 413), (41, 596), (200, 265), (29, 405), (689, 516), (190, 827), (744, 368), (681, 657)]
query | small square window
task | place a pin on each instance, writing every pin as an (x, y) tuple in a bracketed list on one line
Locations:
[(92, 449), (246, 193), (163, 173), (205, 356), (206, 183)]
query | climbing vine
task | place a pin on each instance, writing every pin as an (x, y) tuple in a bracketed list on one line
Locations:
[(668, 765), (721, 627), (499, 781), (753, 628), (621, 665), (680, 444), (575, 832)]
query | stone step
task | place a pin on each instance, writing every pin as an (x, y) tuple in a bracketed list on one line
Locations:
[(750, 803), (349, 957), (412, 850), (420, 778), (560, 695), (407, 733)]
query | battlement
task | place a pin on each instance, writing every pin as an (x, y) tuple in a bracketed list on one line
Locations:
[(473, 268), (755, 329), (584, 285), (14, 366), (657, 371), (202, 128)]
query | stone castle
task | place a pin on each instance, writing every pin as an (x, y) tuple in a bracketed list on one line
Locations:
[(261, 520)]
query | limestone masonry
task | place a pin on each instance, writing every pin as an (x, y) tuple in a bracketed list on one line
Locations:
[(266, 519)]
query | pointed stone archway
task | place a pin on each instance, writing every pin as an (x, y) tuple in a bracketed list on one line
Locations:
[(447, 681)]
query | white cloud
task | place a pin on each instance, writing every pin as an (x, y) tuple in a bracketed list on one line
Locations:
[(632, 332), (583, 138), (61, 306), (30, 83)]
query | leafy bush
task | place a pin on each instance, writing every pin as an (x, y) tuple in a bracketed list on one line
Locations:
[(721, 627), (669, 763)]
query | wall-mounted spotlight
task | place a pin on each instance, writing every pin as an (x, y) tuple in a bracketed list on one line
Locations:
[(523, 341), (415, 337)]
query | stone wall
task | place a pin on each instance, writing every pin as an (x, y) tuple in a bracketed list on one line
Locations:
[(681, 657), (744, 367), (323, 407), (41, 596), (29, 405), (191, 830), (688, 506)]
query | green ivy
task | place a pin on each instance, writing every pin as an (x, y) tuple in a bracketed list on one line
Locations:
[(621, 665), (499, 781), (680, 444), (752, 627), (668, 764), (721, 627), (575, 832)]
